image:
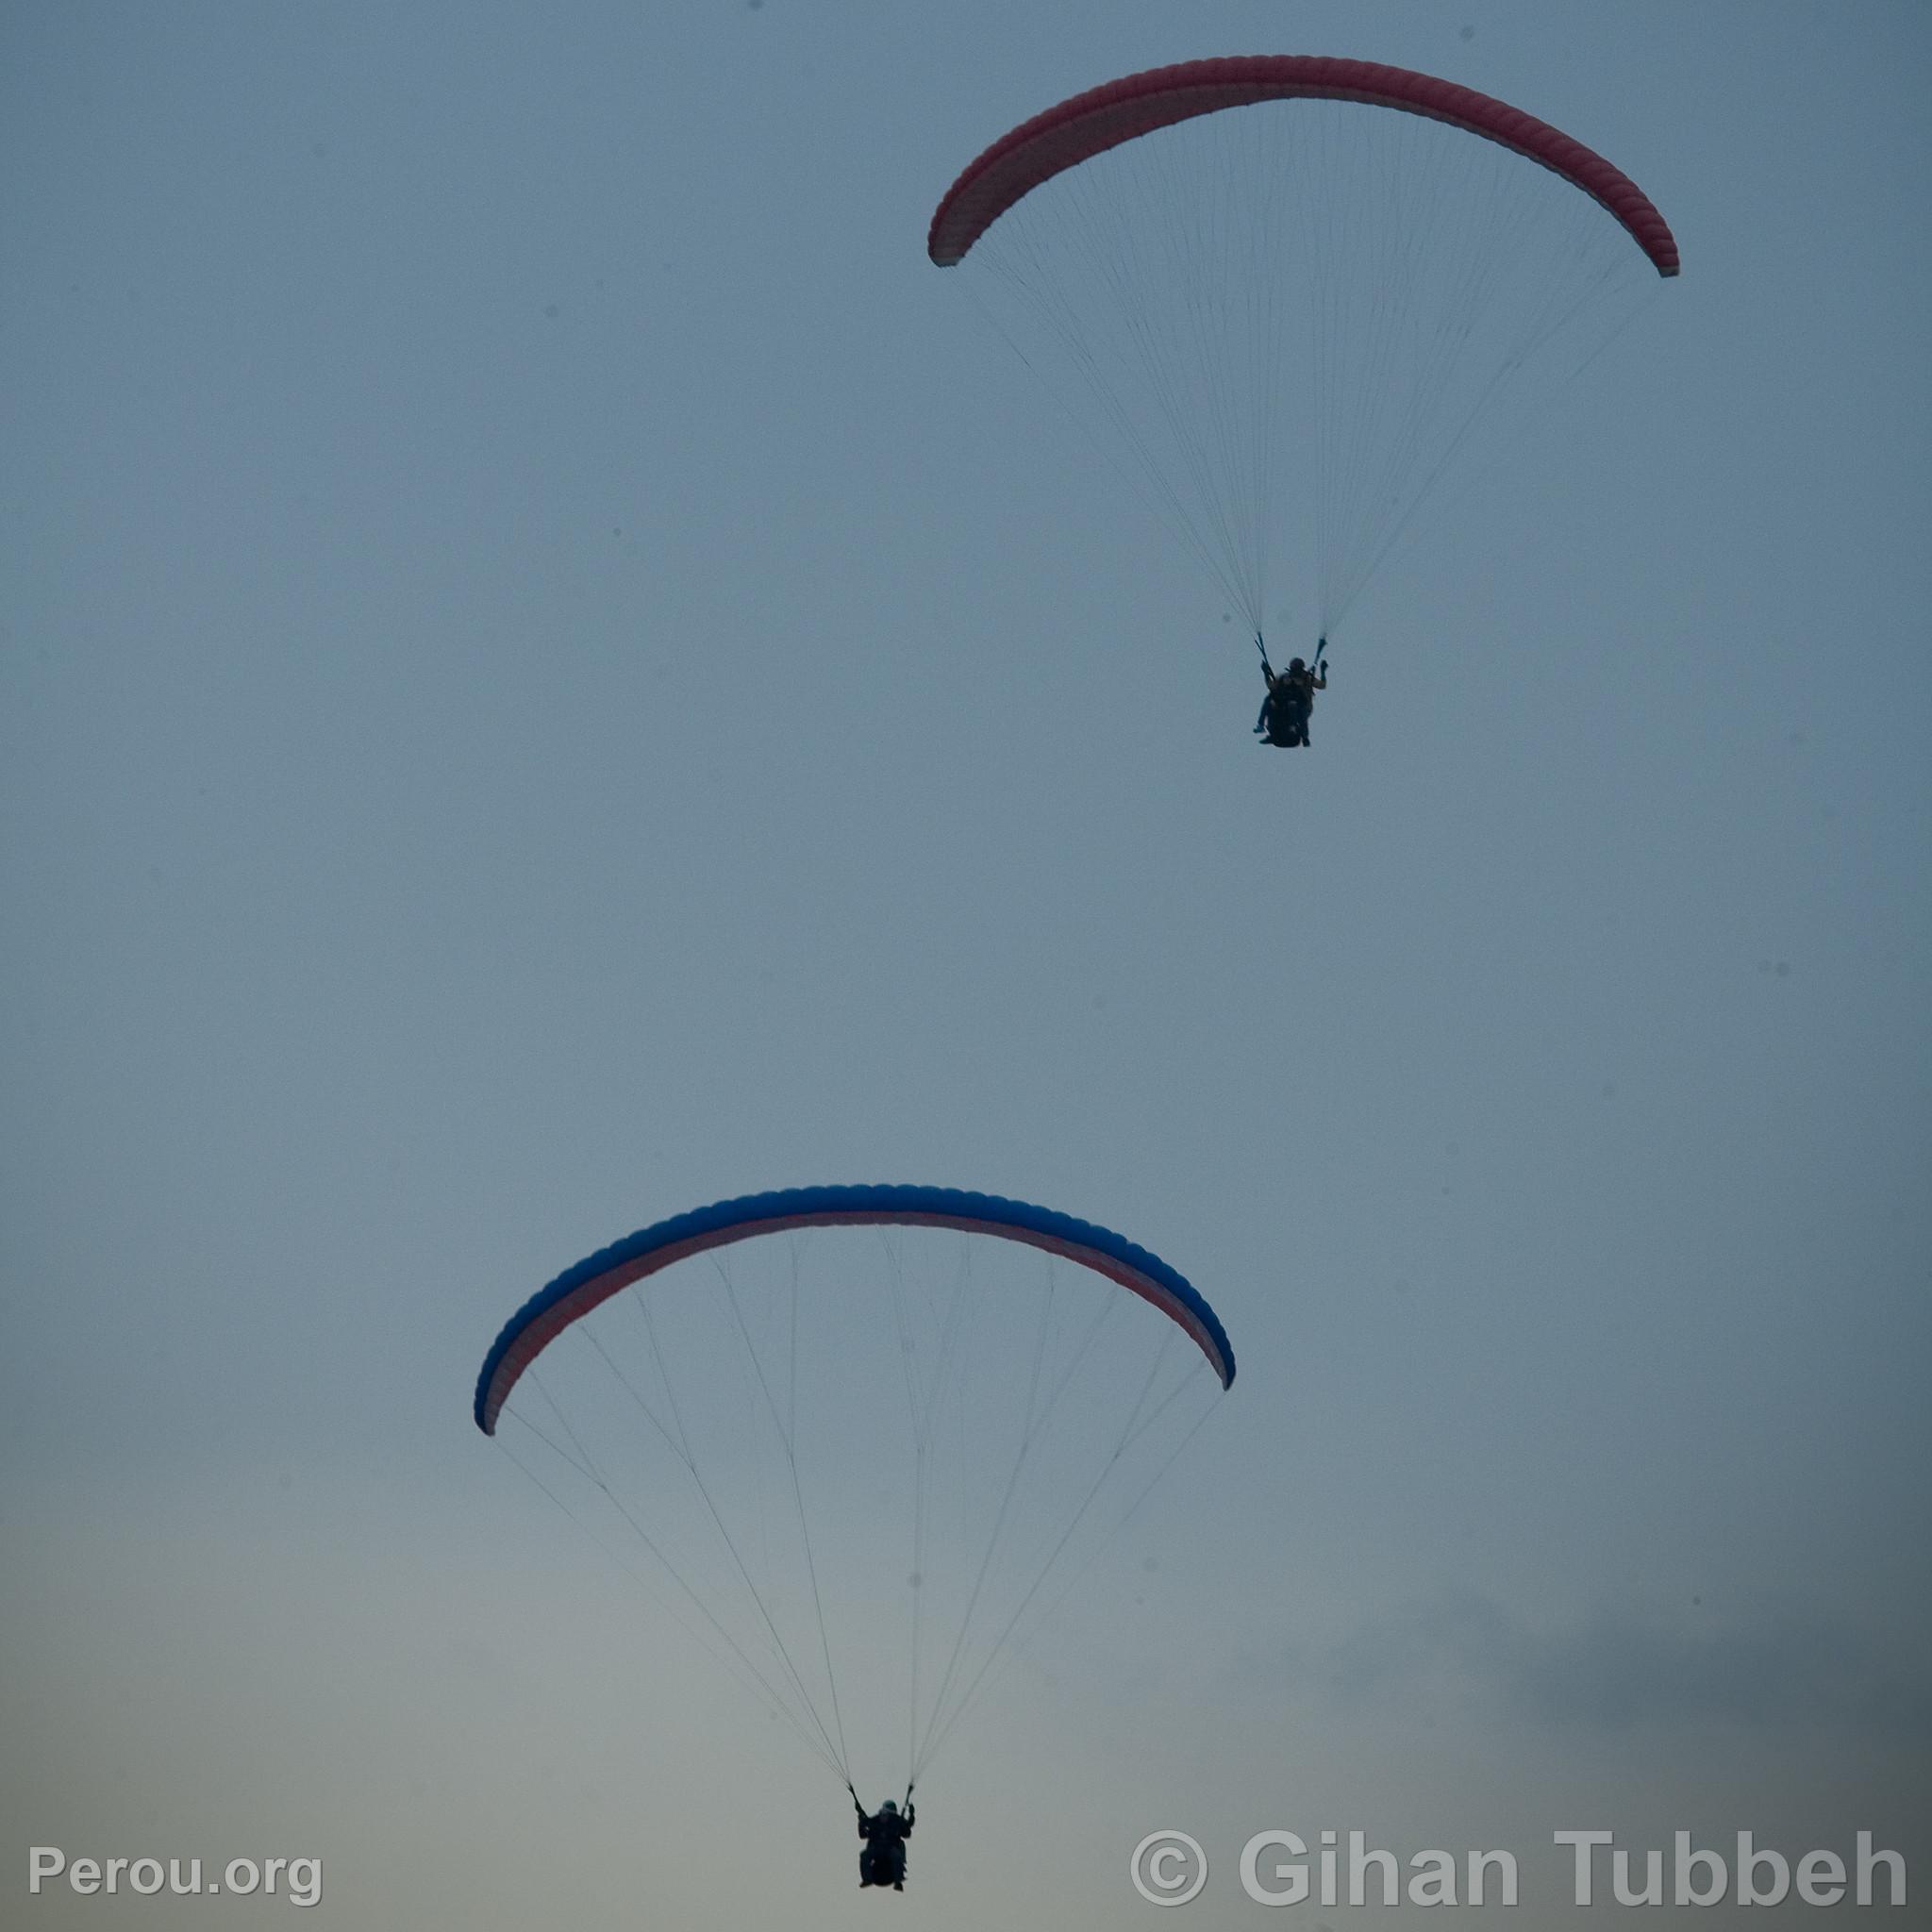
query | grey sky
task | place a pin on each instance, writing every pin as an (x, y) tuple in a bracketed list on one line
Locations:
[(552, 671)]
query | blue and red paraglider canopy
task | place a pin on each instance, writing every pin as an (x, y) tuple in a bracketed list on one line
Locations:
[(595, 1279)]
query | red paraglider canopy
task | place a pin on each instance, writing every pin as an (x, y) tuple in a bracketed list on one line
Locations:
[(1103, 117)]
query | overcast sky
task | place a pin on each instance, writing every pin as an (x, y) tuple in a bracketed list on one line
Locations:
[(552, 671)]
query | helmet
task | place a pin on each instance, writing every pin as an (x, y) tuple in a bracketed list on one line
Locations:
[(890, 1806), (1296, 665)]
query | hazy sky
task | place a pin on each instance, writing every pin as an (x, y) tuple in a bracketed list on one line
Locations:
[(555, 672)]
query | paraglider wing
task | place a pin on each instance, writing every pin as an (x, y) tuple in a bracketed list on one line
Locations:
[(594, 1280), (1103, 117), (1291, 322), (858, 1441)]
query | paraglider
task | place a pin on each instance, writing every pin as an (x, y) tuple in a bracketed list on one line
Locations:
[(864, 1439), (1285, 711), (1291, 295), (885, 1832)]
